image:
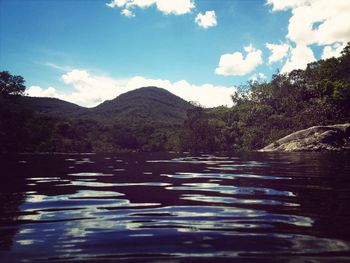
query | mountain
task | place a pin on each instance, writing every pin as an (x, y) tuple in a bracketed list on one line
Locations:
[(145, 105), (146, 119)]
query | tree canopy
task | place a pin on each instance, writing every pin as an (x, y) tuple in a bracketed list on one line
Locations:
[(11, 84), (267, 111)]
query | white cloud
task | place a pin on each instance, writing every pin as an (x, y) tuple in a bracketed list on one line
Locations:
[(199, 93), (56, 66), (333, 50), (178, 7), (279, 51), (235, 64), (206, 20), (118, 3), (258, 77), (300, 57), (127, 13), (279, 5), (36, 91), (90, 90), (320, 22)]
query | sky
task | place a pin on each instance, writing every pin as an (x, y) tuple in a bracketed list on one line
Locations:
[(89, 51)]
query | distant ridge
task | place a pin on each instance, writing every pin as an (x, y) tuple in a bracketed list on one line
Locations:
[(147, 104)]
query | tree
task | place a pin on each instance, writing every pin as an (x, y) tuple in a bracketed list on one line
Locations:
[(14, 114), (11, 84)]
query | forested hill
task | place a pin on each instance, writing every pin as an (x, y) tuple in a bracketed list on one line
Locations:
[(147, 104), (146, 119)]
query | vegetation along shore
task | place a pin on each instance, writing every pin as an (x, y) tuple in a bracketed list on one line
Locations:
[(153, 119)]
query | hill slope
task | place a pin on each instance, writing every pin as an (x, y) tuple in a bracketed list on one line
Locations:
[(147, 119), (147, 104), (54, 107)]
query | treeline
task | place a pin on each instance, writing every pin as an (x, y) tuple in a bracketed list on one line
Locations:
[(262, 113), (23, 129), (267, 111)]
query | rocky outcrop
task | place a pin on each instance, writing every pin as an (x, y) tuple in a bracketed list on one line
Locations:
[(316, 138)]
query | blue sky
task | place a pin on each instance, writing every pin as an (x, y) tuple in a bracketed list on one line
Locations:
[(86, 51)]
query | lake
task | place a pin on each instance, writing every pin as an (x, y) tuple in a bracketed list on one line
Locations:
[(163, 207)]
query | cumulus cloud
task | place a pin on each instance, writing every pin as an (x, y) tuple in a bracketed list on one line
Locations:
[(300, 57), (178, 7), (90, 90), (36, 91), (278, 51), (208, 19), (235, 64), (333, 50), (320, 22), (127, 13)]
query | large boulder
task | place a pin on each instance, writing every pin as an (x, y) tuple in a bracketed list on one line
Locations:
[(316, 138)]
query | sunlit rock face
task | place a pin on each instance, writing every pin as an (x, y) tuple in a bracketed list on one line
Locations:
[(316, 138)]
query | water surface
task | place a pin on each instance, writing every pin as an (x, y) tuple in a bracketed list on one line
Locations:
[(137, 207)]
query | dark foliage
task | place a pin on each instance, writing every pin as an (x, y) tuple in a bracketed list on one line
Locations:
[(11, 85), (147, 119)]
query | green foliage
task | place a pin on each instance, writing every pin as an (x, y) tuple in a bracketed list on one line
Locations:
[(147, 119), (265, 112), (11, 85)]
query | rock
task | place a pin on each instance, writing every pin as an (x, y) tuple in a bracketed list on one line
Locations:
[(316, 138)]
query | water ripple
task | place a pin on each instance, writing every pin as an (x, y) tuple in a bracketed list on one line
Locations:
[(169, 207)]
